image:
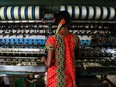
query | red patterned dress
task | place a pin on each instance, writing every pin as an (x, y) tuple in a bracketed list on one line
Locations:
[(62, 73)]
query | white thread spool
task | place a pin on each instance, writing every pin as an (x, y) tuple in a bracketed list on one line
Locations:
[(9, 13), (23, 12), (112, 13), (16, 12), (2, 13), (62, 8), (70, 10), (37, 12), (105, 13), (30, 12), (98, 12), (91, 12), (77, 12), (84, 12)]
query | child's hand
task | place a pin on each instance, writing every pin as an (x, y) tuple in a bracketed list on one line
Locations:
[(43, 58)]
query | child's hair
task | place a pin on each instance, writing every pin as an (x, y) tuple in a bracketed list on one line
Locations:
[(63, 15)]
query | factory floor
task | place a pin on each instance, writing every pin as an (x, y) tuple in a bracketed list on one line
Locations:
[(95, 81), (83, 81), (20, 82)]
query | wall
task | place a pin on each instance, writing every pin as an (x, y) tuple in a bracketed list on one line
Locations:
[(52, 4)]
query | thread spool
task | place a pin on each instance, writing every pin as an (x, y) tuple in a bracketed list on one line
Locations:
[(20, 12)]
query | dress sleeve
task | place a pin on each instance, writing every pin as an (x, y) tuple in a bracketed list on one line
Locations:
[(50, 43)]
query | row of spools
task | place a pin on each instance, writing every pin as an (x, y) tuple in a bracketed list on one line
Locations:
[(76, 12)]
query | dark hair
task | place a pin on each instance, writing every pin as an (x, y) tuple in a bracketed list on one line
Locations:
[(63, 15)]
